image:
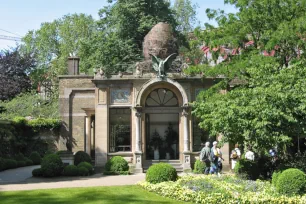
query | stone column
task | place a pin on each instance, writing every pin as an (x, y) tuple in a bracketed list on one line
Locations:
[(138, 149), (186, 153), (88, 134)]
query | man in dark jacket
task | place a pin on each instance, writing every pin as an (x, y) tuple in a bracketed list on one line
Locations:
[(205, 157)]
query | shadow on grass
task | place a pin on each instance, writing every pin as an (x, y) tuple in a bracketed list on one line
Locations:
[(107, 195)]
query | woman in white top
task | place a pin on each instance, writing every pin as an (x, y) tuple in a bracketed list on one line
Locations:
[(249, 155), (235, 156)]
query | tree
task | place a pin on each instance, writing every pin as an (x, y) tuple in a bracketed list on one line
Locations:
[(185, 15), (14, 73), (55, 41), (122, 27), (266, 107)]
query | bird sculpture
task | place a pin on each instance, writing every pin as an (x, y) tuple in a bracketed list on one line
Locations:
[(160, 65)]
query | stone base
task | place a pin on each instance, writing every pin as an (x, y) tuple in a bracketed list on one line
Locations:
[(138, 163), (67, 158), (186, 161)]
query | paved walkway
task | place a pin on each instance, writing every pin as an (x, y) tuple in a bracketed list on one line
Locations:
[(16, 175), (21, 179)]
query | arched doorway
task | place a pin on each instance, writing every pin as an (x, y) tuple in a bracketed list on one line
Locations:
[(162, 125)]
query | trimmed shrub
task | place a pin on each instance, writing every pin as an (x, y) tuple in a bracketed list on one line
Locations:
[(35, 157), (161, 172), (2, 164), (247, 169), (81, 156), (116, 164), (275, 177), (291, 182), (88, 166), (21, 163), (19, 157), (116, 173), (199, 167), (52, 165), (71, 170), (49, 152), (29, 162), (10, 163), (37, 172), (83, 171)]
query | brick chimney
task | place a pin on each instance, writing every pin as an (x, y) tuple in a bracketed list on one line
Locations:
[(73, 65)]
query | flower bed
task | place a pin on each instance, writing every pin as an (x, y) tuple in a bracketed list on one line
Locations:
[(225, 189)]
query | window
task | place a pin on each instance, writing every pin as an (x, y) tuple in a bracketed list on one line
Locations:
[(120, 130), (162, 98)]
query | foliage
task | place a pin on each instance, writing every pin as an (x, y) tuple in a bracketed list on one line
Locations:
[(88, 166), (267, 111), (291, 182), (19, 157), (264, 106), (185, 15), (116, 164), (44, 123), (30, 104), (54, 41), (2, 164), (37, 172), (161, 172), (29, 162), (10, 163), (199, 167), (71, 170), (81, 156), (130, 194), (35, 157), (21, 163), (14, 71), (116, 172), (83, 171), (225, 189), (275, 177), (247, 168), (52, 165)]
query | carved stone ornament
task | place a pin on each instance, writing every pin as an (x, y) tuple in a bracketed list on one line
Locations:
[(161, 66)]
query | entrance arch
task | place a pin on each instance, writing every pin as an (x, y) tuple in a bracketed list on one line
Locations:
[(181, 109)]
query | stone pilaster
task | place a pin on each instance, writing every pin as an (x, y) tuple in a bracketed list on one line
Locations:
[(138, 149), (186, 153)]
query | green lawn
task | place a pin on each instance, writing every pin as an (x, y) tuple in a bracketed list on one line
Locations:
[(108, 195)]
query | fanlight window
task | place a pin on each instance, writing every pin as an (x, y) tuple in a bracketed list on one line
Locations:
[(162, 97)]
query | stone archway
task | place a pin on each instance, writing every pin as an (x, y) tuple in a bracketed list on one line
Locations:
[(182, 109)]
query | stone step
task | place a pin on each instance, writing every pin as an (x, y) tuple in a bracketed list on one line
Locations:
[(175, 163)]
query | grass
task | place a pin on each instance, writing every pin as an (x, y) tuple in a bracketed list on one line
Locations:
[(105, 195)]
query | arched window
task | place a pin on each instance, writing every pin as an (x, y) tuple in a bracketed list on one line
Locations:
[(162, 98)]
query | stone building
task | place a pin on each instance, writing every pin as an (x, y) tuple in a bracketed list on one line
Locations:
[(139, 116)]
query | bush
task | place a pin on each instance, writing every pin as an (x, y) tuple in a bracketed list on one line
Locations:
[(83, 171), (116, 172), (2, 164), (116, 164), (275, 177), (247, 169), (161, 172), (10, 163), (199, 167), (81, 156), (37, 172), (35, 157), (52, 165), (291, 182), (71, 170), (29, 162), (19, 157), (21, 163), (88, 166)]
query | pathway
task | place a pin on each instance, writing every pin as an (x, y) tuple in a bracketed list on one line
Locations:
[(16, 175), (21, 179)]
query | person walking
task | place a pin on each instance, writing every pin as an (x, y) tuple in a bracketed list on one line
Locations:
[(215, 154), (235, 155), (249, 155), (205, 157)]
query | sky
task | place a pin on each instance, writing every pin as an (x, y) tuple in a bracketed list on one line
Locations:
[(20, 16)]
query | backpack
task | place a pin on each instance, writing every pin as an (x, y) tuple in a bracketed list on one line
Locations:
[(234, 154)]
